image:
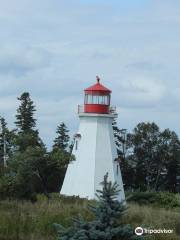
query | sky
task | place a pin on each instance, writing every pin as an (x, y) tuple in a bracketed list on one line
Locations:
[(55, 48)]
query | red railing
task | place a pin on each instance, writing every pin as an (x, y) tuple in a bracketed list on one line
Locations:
[(112, 109)]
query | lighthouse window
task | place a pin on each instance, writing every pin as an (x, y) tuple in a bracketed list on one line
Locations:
[(101, 99), (76, 144), (97, 99), (104, 100), (117, 169), (88, 99)]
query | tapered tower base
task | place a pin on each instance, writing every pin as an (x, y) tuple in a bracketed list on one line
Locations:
[(96, 154)]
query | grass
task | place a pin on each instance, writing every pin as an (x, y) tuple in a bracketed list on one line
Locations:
[(25, 220), (34, 221), (154, 218)]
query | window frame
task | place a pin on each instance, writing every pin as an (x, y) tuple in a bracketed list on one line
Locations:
[(97, 99)]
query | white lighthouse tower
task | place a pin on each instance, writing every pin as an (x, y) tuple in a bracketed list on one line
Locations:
[(94, 148)]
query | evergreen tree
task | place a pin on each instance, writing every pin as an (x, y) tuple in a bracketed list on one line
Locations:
[(122, 142), (27, 135), (25, 120), (62, 139), (119, 140), (106, 224)]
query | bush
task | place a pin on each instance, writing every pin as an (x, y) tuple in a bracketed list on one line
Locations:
[(168, 199), (163, 199), (7, 187)]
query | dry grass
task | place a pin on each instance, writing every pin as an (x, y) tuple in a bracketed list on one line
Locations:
[(27, 221), (154, 218)]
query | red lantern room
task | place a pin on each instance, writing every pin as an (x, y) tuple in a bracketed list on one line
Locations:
[(97, 99)]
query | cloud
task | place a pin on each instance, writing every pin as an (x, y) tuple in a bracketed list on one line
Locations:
[(139, 91), (54, 49), (8, 103), (144, 66), (19, 60)]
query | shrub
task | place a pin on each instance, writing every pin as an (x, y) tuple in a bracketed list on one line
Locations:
[(163, 199)]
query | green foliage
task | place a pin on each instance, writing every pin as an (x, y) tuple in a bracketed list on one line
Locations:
[(155, 158), (31, 169), (7, 185), (122, 142), (120, 139), (27, 172), (23, 140), (3, 130), (163, 199), (62, 139), (58, 162), (26, 135), (34, 171), (6, 141), (25, 120), (105, 224), (61, 158)]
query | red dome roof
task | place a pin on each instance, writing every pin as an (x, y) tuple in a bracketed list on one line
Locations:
[(97, 87)]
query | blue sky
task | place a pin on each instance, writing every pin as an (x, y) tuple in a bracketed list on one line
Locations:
[(54, 49)]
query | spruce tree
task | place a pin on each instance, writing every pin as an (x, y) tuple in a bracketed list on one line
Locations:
[(62, 139), (27, 135), (120, 137), (25, 120), (106, 224)]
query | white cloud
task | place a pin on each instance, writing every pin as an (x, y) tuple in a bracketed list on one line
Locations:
[(19, 59), (141, 91), (54, 49)]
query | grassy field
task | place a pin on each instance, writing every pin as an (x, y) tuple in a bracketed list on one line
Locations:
[(28, 221)]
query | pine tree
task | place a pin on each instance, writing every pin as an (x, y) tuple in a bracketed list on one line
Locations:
[(62, 139), (25, 120), (106, 224), (27, 135)]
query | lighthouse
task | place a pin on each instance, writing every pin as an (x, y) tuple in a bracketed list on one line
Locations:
[(94, 147)]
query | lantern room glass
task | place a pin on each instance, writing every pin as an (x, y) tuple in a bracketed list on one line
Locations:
[(97, 99)]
